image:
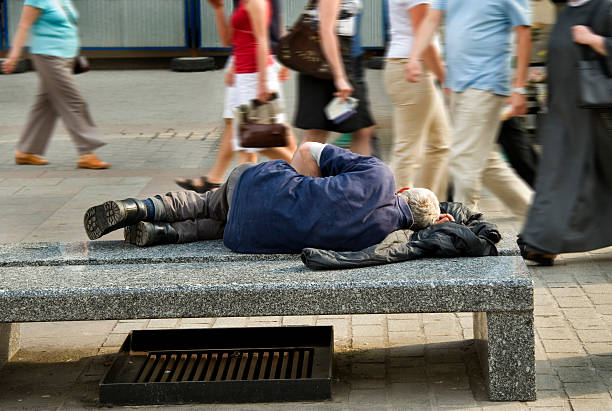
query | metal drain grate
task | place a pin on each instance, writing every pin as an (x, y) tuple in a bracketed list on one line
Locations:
[(262, 364), (226, 365)]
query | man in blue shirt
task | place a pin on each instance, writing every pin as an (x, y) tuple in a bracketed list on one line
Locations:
[(478, 54), (326, 198)]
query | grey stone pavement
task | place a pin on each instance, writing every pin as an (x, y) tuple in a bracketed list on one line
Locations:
[(160, 125)]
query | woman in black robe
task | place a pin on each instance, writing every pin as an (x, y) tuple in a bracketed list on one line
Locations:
[(572, 208)]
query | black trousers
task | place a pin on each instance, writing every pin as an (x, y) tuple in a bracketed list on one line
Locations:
[(522, 156)]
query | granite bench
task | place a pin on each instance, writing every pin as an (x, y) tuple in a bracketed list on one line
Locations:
[(110, 280)]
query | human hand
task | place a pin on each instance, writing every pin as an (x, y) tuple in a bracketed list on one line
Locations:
[(263, 94), (343, 89), (447, 95), (229, 77), (413, 70), (215, 3), (283, 74), (536, 75), (441, 76), (583, 35), (445, 218), (518, 104), (9, 64)]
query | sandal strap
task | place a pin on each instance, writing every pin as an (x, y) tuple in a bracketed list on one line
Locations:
[(188, 184)]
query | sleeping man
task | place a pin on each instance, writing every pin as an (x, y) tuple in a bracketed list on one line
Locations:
[(327, 198)]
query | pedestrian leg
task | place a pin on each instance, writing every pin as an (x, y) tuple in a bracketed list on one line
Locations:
[(476, 120), (502, 181), (68, 101), (40, 124), (437, 147)]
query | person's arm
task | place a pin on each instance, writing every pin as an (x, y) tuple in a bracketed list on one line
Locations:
[(422, 40), (328, 16), (223, 28), (230, 75), (336, 161), (518, 101), (29, 15), (584, 35), (258, 14), (430, 55), (306, 159)]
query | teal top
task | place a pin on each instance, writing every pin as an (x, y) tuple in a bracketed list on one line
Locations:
[(55, 32)]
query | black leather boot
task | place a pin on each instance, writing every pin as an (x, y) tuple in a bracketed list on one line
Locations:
[(145, 233), (112, 215)]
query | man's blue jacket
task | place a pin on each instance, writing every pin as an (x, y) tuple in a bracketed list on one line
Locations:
[(352, 206)]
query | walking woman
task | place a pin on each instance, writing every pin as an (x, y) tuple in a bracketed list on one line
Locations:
[(421, 130), (54, 44), (215, 175), (571, 211), (255, 75), (337, 22)]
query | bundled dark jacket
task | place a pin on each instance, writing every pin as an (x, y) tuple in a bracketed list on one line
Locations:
[(468, 236)]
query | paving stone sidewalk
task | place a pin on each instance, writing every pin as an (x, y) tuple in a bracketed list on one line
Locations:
[(383, 362)]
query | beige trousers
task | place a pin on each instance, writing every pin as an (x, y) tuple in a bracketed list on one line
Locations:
[(421, 131), (58, 96), (475, 158)]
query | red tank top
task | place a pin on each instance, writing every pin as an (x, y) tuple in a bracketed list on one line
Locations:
[(243, 39)]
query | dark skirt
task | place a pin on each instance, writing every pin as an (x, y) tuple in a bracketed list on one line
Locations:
[(314, 94)]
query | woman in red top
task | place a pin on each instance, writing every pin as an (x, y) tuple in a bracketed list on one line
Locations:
[(255, 77)]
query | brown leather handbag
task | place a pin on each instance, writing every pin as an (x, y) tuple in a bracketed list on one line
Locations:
[(263, 135), (258, 125), (300, 49)]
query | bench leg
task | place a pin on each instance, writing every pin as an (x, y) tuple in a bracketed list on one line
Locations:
[(9, 341), (506, 347)]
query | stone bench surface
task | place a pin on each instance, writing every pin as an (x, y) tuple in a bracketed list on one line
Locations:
[(109, 280), (118, 252), (59, 286), (104, 252)]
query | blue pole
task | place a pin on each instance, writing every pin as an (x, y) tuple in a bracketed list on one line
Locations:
[(187, 19), (197, 23), (385, 22), (4, 34)]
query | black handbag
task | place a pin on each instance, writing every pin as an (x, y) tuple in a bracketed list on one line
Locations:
[(594, 78), (81, 65)]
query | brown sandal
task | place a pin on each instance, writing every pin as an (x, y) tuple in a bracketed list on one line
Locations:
[(199, 185)]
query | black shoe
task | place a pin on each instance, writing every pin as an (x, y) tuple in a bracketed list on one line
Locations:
[(145, 234), (112, 215), (539, 258)]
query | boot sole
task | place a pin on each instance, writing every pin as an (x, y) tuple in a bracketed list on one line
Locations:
[(137, 234), (104, 218)]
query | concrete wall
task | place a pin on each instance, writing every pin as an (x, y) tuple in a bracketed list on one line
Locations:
[(9, 341)]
